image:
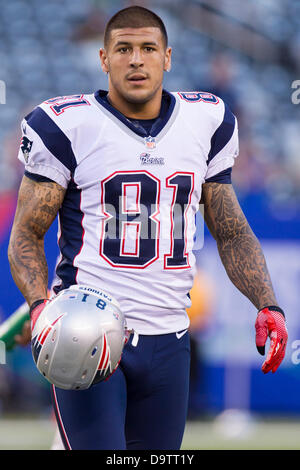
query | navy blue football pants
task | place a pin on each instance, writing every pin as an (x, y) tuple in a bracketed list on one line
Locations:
[(143, 405)]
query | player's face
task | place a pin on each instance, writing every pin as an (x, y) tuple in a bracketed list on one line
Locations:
[(135, 59)]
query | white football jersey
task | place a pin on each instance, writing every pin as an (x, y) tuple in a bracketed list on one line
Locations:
[(127, 223)]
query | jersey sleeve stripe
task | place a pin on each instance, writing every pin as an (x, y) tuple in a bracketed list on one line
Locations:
[(223, 134), (224, 177), (53, 137), (37, 178)]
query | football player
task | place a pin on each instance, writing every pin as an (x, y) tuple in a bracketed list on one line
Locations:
[(125, 169)]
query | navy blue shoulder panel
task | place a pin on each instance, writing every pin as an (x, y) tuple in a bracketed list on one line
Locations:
[(53, 137), (223, 134)]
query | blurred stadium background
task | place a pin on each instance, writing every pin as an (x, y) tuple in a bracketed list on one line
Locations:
[(249, 54)]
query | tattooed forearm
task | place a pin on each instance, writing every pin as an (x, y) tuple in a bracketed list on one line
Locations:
[(28, 266), (38, 204), (239, 249)]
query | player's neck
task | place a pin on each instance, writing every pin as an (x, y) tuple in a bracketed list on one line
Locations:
[(148, 110)]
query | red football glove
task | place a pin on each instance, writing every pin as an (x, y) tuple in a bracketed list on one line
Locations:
[(270, 322), (36, 309)]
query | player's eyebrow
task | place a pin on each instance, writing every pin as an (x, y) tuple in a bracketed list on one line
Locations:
[(126, 43), (150, 43)]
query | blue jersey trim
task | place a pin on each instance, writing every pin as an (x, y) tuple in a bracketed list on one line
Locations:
[(71, 236), (53, 137), (37, 178), (224, 177), (167, 108), (222, 135)]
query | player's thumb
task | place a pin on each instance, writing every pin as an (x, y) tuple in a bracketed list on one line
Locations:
[(261, 336)]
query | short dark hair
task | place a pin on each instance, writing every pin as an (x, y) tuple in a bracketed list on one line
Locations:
[(135, 17)]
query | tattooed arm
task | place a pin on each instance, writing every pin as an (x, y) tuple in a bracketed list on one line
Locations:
[(38, 204), (239, 249)]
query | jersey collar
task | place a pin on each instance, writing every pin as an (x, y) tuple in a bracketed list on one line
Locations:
[(166, 111)]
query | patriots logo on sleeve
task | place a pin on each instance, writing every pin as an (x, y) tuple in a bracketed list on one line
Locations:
[(26, 146)]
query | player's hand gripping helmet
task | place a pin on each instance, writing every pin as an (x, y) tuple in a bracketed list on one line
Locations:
[(78, 338)]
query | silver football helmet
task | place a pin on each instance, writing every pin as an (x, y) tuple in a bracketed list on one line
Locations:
[(78, 338)]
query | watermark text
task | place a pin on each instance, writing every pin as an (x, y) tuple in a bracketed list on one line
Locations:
[(2, 92), (2, 353), (295, 97)]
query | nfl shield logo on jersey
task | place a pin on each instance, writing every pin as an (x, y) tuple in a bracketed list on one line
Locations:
[(150, 142), (26, 146)]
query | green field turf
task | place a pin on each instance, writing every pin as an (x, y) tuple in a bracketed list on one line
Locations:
[(37, 434)]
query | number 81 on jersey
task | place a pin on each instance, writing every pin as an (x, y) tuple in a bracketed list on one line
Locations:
[(131, 227)]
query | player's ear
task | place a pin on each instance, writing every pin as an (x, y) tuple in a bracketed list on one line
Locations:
[(167, 66), (103, 60)]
